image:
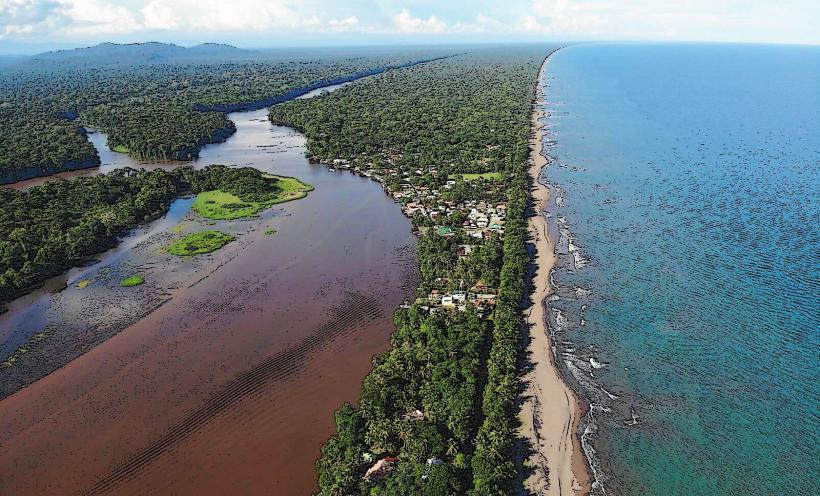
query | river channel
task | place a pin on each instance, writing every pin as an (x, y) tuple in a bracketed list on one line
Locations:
[(220, 374)]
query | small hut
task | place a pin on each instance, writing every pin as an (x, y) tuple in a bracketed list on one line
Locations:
[(380, 469)]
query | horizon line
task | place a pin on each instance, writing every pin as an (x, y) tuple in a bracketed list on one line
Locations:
[(387, 44)]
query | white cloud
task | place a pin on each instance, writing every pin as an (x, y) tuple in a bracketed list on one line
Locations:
[(784, 21), (567, 18), (159, 15), (84, 18), (230, 15), (22, 17), (481, 24), (709, 20), (349, 21), (549, 8), (91, 17), (404, 22), (343, 25)]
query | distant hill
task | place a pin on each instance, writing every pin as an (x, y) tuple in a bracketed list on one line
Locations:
[(215, 49), (141, 53)]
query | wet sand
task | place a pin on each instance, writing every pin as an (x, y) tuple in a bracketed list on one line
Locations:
[(227, 387), (551, 411)]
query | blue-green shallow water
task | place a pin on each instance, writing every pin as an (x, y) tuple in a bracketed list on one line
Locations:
[(689, 178)]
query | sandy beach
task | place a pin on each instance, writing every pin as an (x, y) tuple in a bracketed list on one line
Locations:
[(551, 411)]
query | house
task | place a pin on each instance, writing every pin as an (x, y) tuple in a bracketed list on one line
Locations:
[(464, 250), (380, 469), (414, 415), (480, 287), (459, 296), (456, 299)]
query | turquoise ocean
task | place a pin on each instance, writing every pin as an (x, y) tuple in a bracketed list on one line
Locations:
[(687, 201)]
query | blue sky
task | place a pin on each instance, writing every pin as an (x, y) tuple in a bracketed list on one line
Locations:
[(36, 25)]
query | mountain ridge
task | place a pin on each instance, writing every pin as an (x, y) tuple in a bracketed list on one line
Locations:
[(142, 52)]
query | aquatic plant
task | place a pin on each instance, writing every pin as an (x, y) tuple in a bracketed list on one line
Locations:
[(199, 243), (133, 280)]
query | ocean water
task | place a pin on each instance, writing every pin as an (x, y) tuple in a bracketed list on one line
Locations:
[(688, 307)]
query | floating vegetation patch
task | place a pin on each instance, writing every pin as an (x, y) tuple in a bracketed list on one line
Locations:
[(134, 280), (222, 205), (199, 243)]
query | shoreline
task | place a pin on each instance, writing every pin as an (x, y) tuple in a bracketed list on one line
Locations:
[(17, 177), (79, 319), (225, 331), (557, 462)]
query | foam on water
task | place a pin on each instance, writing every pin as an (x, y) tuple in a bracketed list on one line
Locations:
[(686, 180)]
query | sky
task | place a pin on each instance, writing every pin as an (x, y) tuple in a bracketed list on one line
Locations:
[(30, 26)]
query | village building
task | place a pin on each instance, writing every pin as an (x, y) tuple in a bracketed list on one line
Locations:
[(380, 469)]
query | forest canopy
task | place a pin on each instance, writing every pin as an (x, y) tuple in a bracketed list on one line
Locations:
[(162, 103), (440, 405), (47, 229), (463, 115)]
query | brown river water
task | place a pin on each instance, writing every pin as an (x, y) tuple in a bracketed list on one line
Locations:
[(229, 384)]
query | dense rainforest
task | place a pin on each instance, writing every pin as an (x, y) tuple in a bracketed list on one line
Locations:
[(444, 116), (47, 229), (165, 102), (439, 407)]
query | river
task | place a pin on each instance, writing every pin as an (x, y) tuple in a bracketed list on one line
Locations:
[(219, 375)]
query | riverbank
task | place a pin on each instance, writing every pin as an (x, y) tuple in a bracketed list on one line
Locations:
[(12, 175), (551, 411), (301, 91), (276, 331), (94, 306)]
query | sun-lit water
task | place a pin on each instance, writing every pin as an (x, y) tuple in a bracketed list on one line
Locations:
[(689, 178)]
